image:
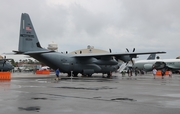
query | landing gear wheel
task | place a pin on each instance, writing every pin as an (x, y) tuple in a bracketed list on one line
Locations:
[(109, 75), (75, 74), (89, 75), (69, 74)]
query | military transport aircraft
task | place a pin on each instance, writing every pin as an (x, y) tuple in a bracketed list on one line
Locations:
[(148, 65), (5, 65), (86, 64)]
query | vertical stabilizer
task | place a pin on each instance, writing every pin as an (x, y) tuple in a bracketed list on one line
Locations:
[(28, 40)]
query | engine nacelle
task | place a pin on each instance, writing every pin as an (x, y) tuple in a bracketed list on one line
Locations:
[(159, 65)]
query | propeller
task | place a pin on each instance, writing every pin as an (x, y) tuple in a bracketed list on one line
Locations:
[(132, 51), (130, 56), (114, 57)]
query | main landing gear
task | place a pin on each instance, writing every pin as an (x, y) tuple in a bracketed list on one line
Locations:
[(109, 75), (73, 74)]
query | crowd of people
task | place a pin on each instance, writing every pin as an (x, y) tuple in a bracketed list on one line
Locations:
[(141, 72), (131, 70)]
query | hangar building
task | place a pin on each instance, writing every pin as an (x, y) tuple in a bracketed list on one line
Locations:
[(90, 49)]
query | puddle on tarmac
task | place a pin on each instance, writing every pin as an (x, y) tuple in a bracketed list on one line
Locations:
[(39, 98), (96, 88), (123, 99), (97, 97), (32, 108)]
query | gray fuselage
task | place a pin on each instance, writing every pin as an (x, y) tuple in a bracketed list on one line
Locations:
[(67, 63)]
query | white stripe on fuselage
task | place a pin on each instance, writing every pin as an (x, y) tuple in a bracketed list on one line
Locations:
[(171, 63)]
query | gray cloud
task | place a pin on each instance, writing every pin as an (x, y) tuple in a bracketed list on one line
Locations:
[(144, 24)]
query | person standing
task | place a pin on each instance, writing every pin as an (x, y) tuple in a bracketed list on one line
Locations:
[(123, 73), (57, 74), (136, 71), (154, 72), (130, 71), (170, 73), (163, 71)]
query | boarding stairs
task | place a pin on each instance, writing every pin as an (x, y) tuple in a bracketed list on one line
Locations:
[(122, 67)]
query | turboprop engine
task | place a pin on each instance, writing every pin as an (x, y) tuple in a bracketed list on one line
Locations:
[(159, 65)]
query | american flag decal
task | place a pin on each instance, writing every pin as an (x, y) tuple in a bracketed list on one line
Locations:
[(28, 28)]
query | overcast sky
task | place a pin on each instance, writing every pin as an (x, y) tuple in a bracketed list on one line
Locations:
[(147, 25)]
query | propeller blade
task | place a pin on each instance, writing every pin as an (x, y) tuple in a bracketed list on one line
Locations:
[(110, 50), (127, 50), (133, 49)]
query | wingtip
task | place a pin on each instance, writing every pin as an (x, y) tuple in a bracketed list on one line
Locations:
[(161, 52)]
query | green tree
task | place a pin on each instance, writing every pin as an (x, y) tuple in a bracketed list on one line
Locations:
[(13, 62)]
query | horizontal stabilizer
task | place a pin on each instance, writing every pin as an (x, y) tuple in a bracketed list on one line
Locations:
[(37, 52), (17, 52)]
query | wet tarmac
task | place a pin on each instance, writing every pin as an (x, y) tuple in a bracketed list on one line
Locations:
[(28, 93)]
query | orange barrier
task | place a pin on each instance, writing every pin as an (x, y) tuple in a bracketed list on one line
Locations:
[(5, 76), (42, 72), (159, 73)]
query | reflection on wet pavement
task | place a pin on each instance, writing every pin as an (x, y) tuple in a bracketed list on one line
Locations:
[(32, 108), (39, 98), (121, 99), (97, 88)]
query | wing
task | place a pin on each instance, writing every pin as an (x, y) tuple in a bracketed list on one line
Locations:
[(122, 56), (33, 52), (114, 54)]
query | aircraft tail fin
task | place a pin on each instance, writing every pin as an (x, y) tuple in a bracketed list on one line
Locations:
[(151, 57), (28, 40)]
